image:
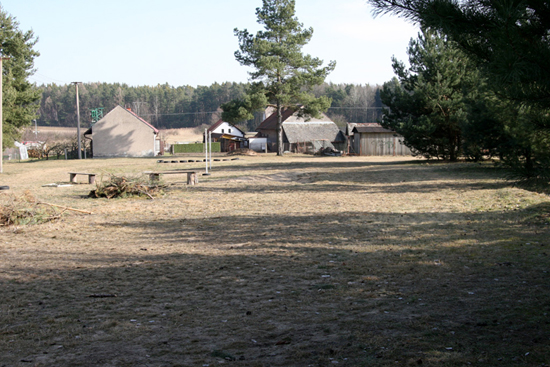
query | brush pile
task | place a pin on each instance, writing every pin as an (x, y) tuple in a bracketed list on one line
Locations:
[(24, 210), (124, 187)]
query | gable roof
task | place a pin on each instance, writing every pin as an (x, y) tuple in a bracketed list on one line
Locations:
[(289, 115), (215, 126), (119, 108), (220, 121), (140, 119), (369, 127), (270, 123), (299, 132)]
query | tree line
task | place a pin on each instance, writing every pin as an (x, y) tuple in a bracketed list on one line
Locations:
[(167, 106)]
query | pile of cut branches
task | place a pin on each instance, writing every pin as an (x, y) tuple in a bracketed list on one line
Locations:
[(123, 187), (25, 210)]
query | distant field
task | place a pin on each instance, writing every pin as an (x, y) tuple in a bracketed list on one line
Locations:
[(279, 261), (172, 136)]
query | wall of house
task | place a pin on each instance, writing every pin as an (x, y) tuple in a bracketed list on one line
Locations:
[(121, 134), (226, 128), (380, 144)]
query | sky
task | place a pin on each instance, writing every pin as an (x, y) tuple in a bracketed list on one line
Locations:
[(191, 42)]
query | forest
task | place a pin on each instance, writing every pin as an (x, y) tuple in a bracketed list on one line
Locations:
[(167, 106)]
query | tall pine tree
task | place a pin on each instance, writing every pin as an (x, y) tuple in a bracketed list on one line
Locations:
[(283, 77)]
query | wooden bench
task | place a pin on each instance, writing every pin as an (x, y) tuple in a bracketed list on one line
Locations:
[(192, 177), (91, 176)]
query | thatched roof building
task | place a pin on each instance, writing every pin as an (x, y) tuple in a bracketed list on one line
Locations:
[(301, 135)]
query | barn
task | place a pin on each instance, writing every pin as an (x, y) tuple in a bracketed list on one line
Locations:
[(372, 139), (122, 133), (301, 135)]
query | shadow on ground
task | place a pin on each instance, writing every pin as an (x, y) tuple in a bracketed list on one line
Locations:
[(271, 290)]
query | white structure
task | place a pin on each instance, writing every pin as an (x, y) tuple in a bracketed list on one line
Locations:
[(23, 154), (257, 144), (225, 128)]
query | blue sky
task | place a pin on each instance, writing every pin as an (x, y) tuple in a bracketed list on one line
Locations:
[(183, 42)]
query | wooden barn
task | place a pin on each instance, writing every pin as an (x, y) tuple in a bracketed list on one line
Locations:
[(301, 136), (372, 139), (122, 133)]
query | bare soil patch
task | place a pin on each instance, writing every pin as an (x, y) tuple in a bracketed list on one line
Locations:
[(279, 261)]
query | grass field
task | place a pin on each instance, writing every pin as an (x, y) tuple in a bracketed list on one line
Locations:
[(279, 261)]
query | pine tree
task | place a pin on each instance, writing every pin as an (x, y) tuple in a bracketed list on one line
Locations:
[(428, 103), (509, 41), (20, 97), (283, 76)]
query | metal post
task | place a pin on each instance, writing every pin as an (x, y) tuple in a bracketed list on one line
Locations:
[(210, 143), (206, 148)]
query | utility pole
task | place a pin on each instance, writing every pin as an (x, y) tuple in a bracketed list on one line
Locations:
[(78, 121), (1, 103)]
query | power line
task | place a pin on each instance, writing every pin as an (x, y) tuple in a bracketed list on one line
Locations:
[(357, 108), (176, 114)]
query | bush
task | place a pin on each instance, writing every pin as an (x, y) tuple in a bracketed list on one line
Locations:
[(24, 210)]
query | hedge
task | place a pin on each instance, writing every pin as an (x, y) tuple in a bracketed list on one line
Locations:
[(194, 148)]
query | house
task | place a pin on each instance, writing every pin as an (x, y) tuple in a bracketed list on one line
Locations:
[(122, 133), (229, 136), (300, 135), (372, 139)]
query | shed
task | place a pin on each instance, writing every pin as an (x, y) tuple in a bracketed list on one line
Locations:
[(373, 139), (122, 133)]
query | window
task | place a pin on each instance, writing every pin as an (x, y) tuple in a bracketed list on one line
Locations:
[(229, 131), (222, 131)]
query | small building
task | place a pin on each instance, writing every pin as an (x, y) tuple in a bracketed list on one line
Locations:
[(256, 142), (372, 139), (301, 136), (229, 136), (122, 133)]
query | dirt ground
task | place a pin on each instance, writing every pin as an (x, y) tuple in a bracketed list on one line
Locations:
[(279, 261)]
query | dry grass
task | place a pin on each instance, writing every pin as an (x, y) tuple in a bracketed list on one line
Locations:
[(189, 134), (292, 261)]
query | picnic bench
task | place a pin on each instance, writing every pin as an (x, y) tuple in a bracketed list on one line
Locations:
[(91, 176), (192, 177)]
